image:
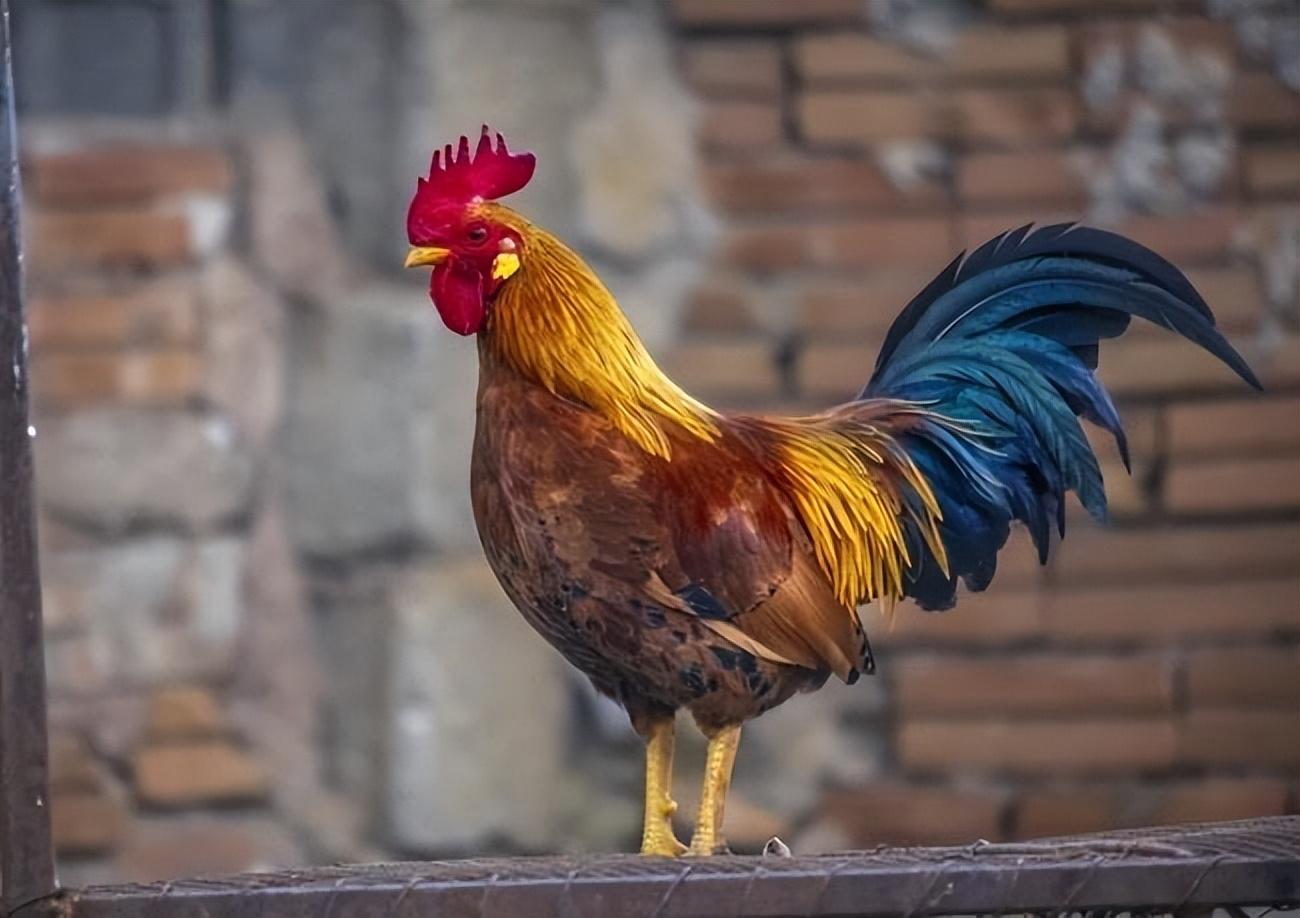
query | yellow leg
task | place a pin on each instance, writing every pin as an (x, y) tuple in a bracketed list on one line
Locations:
[(713, 798), (657, 838)]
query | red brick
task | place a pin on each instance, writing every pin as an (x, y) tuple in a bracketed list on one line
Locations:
[(840, 116), (121, 238), (1037, 747), (998, 616), (1234, 294), (1174, 612), (725, 367), (904, 814), (1141, 424), (842, 244), (150, 377), (851, 57), (160, 313), (85, 823), (825, 185), (1275, 360), (1140, 365), (864, 307), (740, 126), (185, 712), (1168, 364), (1048, 177), (725, 69), (1233, 485), (1239, 426), (1001, 686), (1097, 556), (1256, 677), (1256, 739), (1220, 799), (766, 13), (721, 303), (1205, 234), (203, 844), (1054, 812), (1074, 810), (834, 370), (1048, 7), (182, 774), (1273, 171), (1018, 563), (1128, 494), (973, 230), (1259, 100), (125, 173), (977, 54), (1041, 52), (1202, 236), (1014, 116)]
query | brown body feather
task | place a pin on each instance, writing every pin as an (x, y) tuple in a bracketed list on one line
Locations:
[(597, 541)]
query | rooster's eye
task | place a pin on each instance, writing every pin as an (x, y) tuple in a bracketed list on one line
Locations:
[(477, 235)]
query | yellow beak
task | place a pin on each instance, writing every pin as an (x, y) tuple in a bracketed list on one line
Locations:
[(425, 255)]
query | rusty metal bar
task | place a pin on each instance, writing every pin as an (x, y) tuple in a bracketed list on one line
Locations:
[(1180, 870), (26, 856)]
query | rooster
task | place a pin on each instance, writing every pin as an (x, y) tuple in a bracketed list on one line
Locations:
[(683, 557)]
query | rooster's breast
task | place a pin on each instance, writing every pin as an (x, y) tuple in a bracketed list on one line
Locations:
[(575, 525)]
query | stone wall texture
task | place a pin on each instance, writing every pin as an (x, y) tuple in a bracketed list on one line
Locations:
[(272, 639)]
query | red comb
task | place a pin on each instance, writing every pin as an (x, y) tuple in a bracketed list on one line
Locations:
[(492, 172)]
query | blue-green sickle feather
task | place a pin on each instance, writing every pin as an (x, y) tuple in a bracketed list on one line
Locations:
[(1003, 345)]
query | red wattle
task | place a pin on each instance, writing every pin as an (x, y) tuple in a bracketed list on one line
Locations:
[(457, 291)]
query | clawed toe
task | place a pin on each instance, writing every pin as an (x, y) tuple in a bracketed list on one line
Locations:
[(663, 845)]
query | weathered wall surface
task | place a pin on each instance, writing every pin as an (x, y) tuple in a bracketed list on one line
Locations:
[(1150, 673), (272, 639)]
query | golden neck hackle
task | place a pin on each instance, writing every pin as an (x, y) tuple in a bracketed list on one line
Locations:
[(555, 323)]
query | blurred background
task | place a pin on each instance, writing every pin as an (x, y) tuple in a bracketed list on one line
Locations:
[(272, 638)]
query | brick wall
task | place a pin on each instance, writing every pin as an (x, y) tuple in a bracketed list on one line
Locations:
[(1148, 674), (1151, 672), (155, 354)]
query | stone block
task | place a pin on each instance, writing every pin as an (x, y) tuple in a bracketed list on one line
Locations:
[(293, 237), (116, 468), (243, 342), (477, 728), (378, 428), (153, 608)]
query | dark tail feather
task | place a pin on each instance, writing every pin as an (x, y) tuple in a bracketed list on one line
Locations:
[(1001, 347)]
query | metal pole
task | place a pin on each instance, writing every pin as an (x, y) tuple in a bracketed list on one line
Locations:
[(26, 855)]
